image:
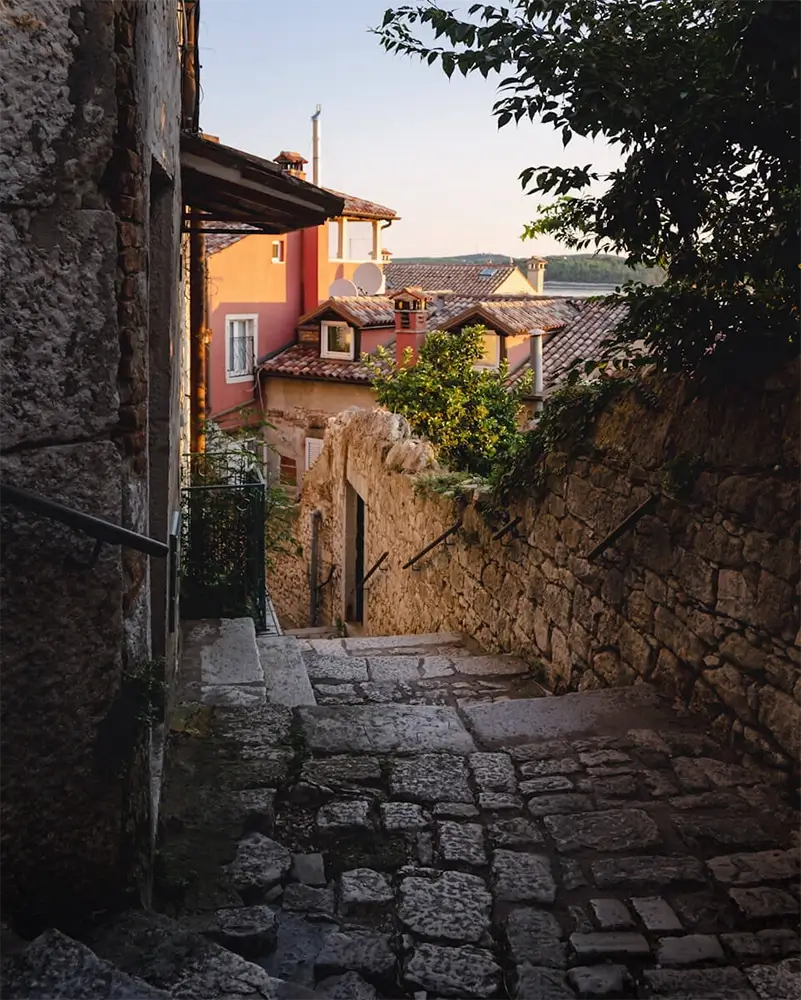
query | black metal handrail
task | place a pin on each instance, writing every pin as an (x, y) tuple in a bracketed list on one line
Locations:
[(628, 522), (509, 526), (369, 573), (96, 527), (440, 538)]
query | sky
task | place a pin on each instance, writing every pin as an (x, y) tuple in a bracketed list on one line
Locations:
[(393, 130)]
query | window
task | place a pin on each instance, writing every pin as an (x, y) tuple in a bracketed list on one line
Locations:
[(278, 251), (313, 448), (241, 347), (333, 239), (288, 472), (336, 341), (492, 351)]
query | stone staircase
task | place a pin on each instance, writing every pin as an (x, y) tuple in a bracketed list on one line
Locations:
[(404, 816)]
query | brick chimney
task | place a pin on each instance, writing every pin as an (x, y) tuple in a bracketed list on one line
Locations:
[(411, 322), (292, 163), (535, 272)]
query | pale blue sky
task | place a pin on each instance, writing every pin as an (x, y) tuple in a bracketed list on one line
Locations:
[(393, 130)]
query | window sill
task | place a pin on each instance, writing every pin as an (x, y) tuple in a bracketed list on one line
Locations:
[(336, 357), (233, 379)]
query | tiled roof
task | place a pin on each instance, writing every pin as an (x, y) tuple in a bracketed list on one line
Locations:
[(465, 279), (289, 157), (219, 241), (362, 310), (509, 314), (579, 340), (361, 208), (303, 361)]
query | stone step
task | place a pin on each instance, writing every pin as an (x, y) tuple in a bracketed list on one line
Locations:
[(55, 967), (423, 644), (183, 962), (220, 663), (285, 674), (315, 632)]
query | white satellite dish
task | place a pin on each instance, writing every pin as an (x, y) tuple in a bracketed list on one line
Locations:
[(342, 286), (369, 277)]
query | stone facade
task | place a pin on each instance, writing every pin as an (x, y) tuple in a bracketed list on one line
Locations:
[(92, 352), (700, 599)]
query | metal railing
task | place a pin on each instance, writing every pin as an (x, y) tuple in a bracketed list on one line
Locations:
[(432, 545)]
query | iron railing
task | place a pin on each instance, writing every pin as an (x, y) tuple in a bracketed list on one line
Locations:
[(222, 544)]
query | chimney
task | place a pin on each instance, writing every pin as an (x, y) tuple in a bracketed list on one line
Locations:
[(535, 272), (386, 255), (411, 323), (316, 146), (292, 163), (535, 346)]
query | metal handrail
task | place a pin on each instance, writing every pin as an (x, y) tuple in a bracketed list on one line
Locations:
[(96, 527), (628, 522), (370, 572), (440, 538), (509, 526)]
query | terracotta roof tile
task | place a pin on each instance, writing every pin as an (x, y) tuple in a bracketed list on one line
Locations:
[(509, 314), (361, 310), (465, 279), (219, 241), (289, 157), (361, 208), (303, 361)]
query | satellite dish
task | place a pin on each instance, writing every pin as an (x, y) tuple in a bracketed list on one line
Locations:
[(369, 277), (342, 286)]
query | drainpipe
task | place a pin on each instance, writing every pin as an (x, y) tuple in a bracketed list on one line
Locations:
[(197, 333), (316, 518), (316, 147), (536, 366)]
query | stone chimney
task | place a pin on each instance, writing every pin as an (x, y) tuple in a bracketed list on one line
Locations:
[(292, 163), (386, 256), (411, 322), (535, 272)]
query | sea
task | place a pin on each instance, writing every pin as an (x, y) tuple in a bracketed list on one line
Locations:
[(575, 289)]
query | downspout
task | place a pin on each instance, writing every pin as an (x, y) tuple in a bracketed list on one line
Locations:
[(197, 333), (316, 518), (536, 366)]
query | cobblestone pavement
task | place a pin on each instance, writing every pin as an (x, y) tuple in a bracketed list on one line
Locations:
[(401, 857)]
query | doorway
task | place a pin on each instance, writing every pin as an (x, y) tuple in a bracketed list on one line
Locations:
[(355, 544)]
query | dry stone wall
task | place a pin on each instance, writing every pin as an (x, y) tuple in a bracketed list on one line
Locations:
[(700, 599)]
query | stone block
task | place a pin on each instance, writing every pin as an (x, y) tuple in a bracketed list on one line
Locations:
[(315, 902), (549, 805), (696, 576), (599, 980), (260, 863), (776, 982), (453, 972), (714, 543), (453, 907), (362, 891), (615, 830), (430, 778), (461, 843), (516, 832), (493, 772), (764, 902), (711, 984), (344, 815), (731, 687), (400, 816), (543, 768), (670, 631), (689, 949), (611, 914), (364, 952), (537, 981), (768, 944), (753, 868), (308, 869), (650, 872), (609, 944), (534, 937), (656, 913), (384, 729), (780, 714), (518, 877), (735, 599)]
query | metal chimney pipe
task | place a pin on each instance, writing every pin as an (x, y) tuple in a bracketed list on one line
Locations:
[(536, 365), (316, 146)]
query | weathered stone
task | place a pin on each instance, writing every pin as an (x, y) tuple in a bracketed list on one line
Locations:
[(550, 783), (394, 669), (250, 931), (455, 810), (517, 832), (364, 952), (706, 772), (542, 983), (767, 944), (764, 902), (343, 815), (689, 984), (761, 866), (493, 772), (658, 784), (54, 966), (708, 800), (520, 877), (542, 751), (548, 805), (656, 913), (499, 802), (461, 843), (647, 872), (543, 768), (573, 876), (430, 778), (259, 864), (599, 980), (619, 786), (776, 982), (732, 689), (705, 912), (453, 972), (485, 666), (534, 937), (425, 848), (579, 919), (397, 816), (338, 668), (308, 869), (341, 770), (616, 830), (721, 830), (611, 944), (781, 715), (453, 907), (311, 900), (362, 891), (611, 914), (349, 986), (689, 949), (255, 808), (384, 729), (435, 666)]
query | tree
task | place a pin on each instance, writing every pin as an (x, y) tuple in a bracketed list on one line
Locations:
[(468, 414), (702, 99)]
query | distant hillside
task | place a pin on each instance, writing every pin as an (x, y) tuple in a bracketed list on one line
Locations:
[(603, 269)]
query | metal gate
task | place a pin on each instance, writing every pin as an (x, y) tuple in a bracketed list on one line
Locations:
[(222, 545)]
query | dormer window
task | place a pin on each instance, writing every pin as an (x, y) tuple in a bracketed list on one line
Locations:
[(337, 341)]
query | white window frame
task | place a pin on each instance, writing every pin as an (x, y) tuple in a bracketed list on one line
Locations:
[(336, 355), (495, 363), (280, 258), (233, 377), (313, 448)]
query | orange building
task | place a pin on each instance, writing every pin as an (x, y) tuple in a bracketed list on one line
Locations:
[(260, 285)]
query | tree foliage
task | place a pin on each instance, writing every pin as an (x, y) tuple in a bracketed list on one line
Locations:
[(468, 414), (701, 97)]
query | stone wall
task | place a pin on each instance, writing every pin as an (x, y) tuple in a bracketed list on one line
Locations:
[(89, 162), (700, 599)]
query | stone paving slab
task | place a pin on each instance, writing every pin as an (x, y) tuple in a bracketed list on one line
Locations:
[(385, 729), (285, 673)]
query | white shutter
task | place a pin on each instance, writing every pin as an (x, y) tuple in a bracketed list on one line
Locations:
[(313, 448)]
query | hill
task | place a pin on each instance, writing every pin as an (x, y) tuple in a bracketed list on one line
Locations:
[(604, 269)]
